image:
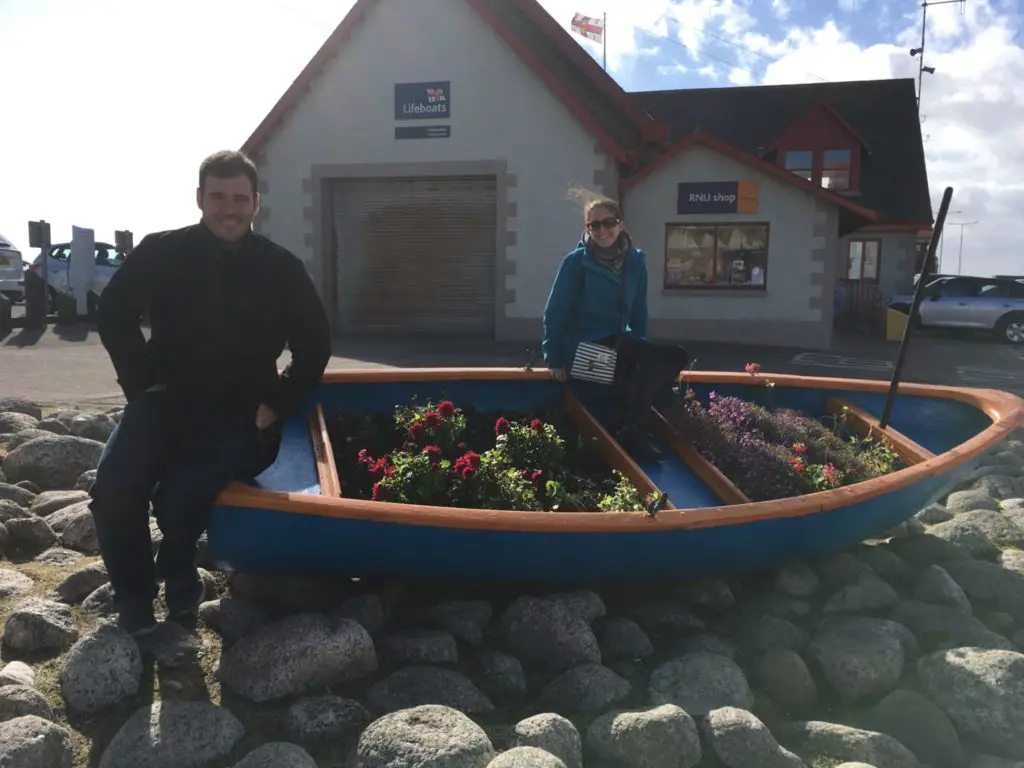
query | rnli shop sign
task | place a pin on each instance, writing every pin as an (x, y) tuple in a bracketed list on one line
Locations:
[(717, 197), (423, 101)]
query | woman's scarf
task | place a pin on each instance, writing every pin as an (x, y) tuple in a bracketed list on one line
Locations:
[(612, 257)]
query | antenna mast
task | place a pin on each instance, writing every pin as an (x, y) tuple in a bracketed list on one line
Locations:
[(919, 52)]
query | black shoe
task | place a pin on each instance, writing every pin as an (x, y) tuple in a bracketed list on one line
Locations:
[(137, 619), (183, 602)]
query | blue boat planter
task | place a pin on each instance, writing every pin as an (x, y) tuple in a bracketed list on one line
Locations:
[(293, 518)]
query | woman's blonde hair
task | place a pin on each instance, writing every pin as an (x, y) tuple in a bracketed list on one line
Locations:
[(591, 200)]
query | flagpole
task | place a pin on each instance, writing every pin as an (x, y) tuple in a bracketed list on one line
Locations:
[(604, 40)]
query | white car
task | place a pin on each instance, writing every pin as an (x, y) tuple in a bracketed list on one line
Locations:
[(12, 271), (108, 260)]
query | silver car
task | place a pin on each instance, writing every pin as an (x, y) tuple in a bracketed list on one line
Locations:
[(12, 271), (985, 303)]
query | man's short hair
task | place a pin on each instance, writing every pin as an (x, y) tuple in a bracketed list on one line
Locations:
[(226, 164)]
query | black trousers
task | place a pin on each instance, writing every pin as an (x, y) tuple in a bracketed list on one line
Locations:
[(151, 458), (645, 372)]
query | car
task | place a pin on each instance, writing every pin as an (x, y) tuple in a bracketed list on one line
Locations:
[(12, 271), (985, 303), (108, 261)]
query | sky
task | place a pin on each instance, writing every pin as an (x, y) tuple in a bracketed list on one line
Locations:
[(108, 106)]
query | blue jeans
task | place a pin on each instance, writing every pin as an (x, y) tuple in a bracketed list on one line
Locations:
[(151, 458)]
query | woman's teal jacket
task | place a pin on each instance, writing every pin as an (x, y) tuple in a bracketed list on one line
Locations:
[(585, 304)]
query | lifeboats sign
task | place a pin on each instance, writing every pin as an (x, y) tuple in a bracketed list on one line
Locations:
[(423, 101), (717, 197)]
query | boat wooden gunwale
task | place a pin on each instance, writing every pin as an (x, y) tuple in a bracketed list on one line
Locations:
[(1005, 410)]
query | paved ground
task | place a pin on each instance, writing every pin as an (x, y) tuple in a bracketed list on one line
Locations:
[(69, 365)]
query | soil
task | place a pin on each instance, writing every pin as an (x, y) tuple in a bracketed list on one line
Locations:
[(589, 476)]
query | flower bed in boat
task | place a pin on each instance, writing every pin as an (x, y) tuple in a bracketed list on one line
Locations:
[(441, 455), (776, 453)]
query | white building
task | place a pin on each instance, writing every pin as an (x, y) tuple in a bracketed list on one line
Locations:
[(421, 161)]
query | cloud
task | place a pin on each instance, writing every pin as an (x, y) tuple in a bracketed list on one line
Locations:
[(972, 108)]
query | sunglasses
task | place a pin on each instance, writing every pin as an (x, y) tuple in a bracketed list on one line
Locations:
[(610, 223)]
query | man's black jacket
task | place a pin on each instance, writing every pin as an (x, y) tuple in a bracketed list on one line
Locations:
[(219, 320)]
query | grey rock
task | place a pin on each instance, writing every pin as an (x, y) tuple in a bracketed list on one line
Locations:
[(10, 510), (937, 586), (17, 673), (296, 654), (934, 513), (526, 757), (13, 422), (699, 683), (959, 502), (427, 736), (54, 427), (982, 691), (967, 536), (171, 645), (709, 594), (989, 582), (366, 609), (1012, 560), (889, 566), (500, 675), (54, 462), (767, 632), (784, 676), (708, 643), (414, 686), (937, 626), (464, 619), (660, 618), (859, 656), (234, 618), (21, 700), (29, 535), (999, 528), (13, 583), (100, 602), (80, 584), (552, 733), (3, 538), (173, 734), (100, 670), (867, 594), (920, 726), (841, 569), (546, 632), (925, 550), (93, 426), (85, 480), (622, 638), (36, 625), (277, 754), (48, 502), (582, 603), (11, 492), (741, 740), (80, 534), (660, 737), (60, 518), (34, 742), (587, 688), (812, 739), (12, 404), (59, 557), (326, 718), (420, 646)]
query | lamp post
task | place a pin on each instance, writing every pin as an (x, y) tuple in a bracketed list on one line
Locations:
[(960, 256)]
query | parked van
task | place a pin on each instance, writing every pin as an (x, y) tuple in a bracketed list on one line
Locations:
[(12, 271)]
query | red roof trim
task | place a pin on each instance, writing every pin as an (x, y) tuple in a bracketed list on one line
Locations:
[(824, 106), (650, 129), (717, 145), (334, 43)]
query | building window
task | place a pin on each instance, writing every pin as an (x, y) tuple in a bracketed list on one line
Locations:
[(716, 256), (835, 168), (862, 260), (800, 162)]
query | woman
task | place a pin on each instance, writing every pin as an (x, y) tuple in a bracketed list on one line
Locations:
[(600, 296)]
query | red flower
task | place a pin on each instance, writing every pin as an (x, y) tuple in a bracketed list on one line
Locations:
[(434, 452), (537, 426), (381, 468), (752, 368), (379, 493), (431, 419), (501, 426), (829, 472), (797, 464), (800, 448), (446, 408), (466, 465), (416, 430), (364, 457)]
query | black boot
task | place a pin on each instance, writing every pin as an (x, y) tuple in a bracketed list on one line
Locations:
[(638, 442)]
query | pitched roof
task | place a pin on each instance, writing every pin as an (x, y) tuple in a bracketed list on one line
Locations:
[(752, 161), (590, 93), (894, 179)]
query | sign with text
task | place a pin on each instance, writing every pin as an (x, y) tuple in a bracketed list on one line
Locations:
[(423, 101), (717, 197), (423, 131)]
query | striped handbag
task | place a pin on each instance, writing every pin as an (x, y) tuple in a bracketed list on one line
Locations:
[(596, 362)]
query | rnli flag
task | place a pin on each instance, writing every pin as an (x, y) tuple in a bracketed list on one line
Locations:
[(588, 27)]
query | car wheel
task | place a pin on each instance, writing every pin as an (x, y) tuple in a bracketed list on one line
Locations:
[(1011, 328)]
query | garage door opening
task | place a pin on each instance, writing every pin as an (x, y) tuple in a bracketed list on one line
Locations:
[(416, 255)]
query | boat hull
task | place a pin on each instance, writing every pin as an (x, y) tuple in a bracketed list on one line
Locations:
[(287, 525)]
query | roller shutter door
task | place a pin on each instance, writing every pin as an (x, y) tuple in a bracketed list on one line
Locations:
[(416, 254)]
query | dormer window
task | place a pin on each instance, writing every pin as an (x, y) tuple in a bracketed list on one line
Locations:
[(836, 165), (800, 162)]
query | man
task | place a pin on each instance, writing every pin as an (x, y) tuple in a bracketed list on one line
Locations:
[(205, 400)]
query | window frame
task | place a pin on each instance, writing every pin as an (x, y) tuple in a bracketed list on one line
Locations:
[(716, 226), (826, 166), (878, 261), (799, 169)]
